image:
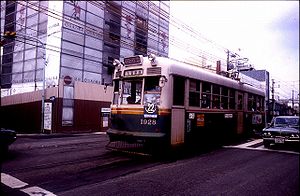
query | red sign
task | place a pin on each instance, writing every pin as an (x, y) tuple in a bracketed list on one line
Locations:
[(67, 80)]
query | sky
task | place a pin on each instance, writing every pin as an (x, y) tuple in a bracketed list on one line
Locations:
[(265, 32)]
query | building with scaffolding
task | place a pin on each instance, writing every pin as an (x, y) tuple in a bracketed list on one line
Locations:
[(56, 73)]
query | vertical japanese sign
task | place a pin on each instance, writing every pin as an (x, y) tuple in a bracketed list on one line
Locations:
[(48, 116)]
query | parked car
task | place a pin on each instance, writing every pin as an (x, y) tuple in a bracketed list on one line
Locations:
[(282, 130), (7, 137)]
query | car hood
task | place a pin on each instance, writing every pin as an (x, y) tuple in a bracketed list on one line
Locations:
[(282, 129)]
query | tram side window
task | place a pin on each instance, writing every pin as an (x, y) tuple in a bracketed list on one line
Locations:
[(240, 102), (224, 98), (251, 102), (206, 95), (231, 99), (178, 91), (116, 92), (216, 97), (259, 103), (194, 94), (132, 92)]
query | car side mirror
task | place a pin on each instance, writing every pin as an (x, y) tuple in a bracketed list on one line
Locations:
[(269, 124)]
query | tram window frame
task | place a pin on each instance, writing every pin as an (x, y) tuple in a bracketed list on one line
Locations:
[(152, 84), (194, 93), (251, 102), (261, 102), (178, 90), (134, 94), (216, 96), (152, 91), (224, 98), (232, 99), (240, 101), (116, 91), (206, 95)]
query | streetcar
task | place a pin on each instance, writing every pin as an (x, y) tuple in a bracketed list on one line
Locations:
[(159, 101)]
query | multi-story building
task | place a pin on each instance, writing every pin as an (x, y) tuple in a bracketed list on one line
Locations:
[(59, 66)]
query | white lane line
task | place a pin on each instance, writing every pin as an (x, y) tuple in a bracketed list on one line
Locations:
[(260, 148), (15, 183), (35, 190), (11, 181), (250, 143)]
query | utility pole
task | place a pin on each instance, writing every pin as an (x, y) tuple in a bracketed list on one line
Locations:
[(227, 60), (293, 99), (273, 100)]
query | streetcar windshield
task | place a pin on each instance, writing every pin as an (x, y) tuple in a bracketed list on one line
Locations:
[(132, 91), (152, 91)]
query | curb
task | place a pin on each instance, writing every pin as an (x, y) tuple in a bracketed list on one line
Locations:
[(57, 135)]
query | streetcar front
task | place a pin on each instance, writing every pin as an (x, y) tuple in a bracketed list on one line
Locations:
[(138, 112)]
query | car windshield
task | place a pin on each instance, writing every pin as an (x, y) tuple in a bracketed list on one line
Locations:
[(294, 122)]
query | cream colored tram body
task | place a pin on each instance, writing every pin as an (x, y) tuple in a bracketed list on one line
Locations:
[(162, 101)]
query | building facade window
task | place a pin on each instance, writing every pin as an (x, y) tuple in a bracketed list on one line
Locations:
[(141, 36), (8, 48), (111, 42)]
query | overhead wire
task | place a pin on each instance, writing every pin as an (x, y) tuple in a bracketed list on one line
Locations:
[(101, 6), (177, 23)]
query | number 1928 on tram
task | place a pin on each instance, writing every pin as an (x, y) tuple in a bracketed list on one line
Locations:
[(160, 101)]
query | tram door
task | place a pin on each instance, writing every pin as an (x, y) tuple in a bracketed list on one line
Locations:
[(177, 126), (178, 111)]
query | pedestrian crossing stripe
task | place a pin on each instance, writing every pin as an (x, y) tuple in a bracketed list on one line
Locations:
[(257, 144)]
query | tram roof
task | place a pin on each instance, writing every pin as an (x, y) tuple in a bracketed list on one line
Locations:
[(191, 71)]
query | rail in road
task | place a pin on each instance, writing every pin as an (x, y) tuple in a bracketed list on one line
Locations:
[(73, 162)]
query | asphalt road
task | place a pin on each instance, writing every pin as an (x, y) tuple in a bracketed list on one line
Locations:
[(80, 165)]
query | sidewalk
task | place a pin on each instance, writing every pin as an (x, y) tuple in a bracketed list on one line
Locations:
[(55, 135)]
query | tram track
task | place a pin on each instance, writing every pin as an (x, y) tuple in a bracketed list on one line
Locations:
[(62, 166), (100, 158)]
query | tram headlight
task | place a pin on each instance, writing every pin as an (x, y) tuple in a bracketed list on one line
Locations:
[(152, 58), (116, 62), (162, 81)]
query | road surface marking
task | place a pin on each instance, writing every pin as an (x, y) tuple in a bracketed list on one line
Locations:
[(261, 148), (250, 143), (36, 191), (15, 183), (11, 181)]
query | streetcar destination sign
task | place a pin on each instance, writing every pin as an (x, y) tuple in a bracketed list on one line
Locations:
[(135, 72), (133, 61)]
